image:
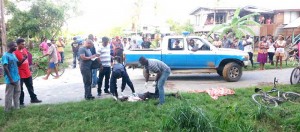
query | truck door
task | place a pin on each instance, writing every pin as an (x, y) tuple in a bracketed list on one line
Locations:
[(174, 54), (202, 56)]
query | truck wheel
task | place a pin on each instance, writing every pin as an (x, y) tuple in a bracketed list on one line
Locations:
[(232, 72), (152, 77)]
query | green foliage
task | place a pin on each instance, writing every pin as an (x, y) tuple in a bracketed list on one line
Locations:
[(188, 118), (238, 25), (179, 28), (43, 18), (229, 113), (116, 31)]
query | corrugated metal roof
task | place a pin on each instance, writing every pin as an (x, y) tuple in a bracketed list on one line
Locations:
[(293, 24)]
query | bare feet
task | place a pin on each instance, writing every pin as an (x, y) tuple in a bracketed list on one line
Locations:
[(44, 78), (56, 77)]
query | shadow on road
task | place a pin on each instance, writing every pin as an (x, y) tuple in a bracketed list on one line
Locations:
[(203, 77)]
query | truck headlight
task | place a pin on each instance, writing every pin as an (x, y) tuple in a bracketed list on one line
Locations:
[(246, 57)]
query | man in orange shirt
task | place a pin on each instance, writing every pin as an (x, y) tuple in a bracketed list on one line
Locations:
[(60, 48), (25, 73)]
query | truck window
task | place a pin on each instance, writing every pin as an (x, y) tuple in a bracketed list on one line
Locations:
[(175, 44), (198, 44)]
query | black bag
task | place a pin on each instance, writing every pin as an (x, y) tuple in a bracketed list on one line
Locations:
[(95, 64)]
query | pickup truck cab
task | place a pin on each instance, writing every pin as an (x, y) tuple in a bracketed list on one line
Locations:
[(193, 54)]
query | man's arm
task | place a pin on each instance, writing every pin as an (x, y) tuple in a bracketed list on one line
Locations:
[(147, 75), (158, 75), (21, 62), (6, 70)]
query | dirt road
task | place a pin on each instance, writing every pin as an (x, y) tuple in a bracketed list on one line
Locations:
[(69, 87)]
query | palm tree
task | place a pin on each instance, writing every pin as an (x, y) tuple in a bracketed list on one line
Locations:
[(238, 25)]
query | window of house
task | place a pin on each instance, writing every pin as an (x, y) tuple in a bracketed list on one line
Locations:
[(176, 44), (220, 18)]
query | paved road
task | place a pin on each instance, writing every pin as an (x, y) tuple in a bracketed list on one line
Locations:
[(69, 87)]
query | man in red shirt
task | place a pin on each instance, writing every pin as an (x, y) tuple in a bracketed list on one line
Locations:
[(25, 73)]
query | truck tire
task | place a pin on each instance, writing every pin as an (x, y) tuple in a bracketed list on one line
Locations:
[(232, 72), (152, 77)]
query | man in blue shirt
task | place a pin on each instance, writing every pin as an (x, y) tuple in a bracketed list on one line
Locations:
[(119, 71), (12, 77)]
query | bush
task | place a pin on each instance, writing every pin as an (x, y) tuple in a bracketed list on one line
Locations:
[(188, 118)]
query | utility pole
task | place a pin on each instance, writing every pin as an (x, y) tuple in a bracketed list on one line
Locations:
[(3, 27)]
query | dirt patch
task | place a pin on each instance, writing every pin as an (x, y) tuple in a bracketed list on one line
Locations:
[(170, 85), (264, 84)]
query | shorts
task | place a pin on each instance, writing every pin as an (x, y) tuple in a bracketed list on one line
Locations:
[(279, 54), (51, 65)]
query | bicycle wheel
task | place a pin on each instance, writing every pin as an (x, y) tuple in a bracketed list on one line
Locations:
[(295, 76), (292, 97), (34, 71), (60, 69), (264, 101)]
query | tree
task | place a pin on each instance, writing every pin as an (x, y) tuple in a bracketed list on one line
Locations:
[(178, 28), (238, 26), (43, 19)]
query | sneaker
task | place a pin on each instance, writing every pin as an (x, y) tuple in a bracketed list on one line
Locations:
[(115, 98), (135, 95), (90, 98), (36, 101), (99, 94), (107, 92), (93, 86)]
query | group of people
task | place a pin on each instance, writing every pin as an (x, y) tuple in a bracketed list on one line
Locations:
[(267, 48), (17, 72), (111, 68)]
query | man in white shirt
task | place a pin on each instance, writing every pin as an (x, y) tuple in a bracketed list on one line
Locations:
[(248, 48), (105, 70)]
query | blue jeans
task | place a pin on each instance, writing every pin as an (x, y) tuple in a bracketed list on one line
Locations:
[(75, 56), (160, 84), (94, 77), (62, 55)]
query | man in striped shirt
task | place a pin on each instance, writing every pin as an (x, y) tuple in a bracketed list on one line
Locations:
[(162, 70), (105, 70)]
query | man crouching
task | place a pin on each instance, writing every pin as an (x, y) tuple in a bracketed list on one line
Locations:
[(119, 71)]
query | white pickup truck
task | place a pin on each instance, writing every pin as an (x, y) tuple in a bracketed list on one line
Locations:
[(193, 54)]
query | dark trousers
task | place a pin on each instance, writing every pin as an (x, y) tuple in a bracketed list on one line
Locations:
[(87, 81), (29, 86), (105, 72), (251, 57), (126, 80), (75, 57), (62, 55), (271, 56)]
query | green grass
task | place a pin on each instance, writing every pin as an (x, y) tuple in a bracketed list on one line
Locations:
[(194, 112)]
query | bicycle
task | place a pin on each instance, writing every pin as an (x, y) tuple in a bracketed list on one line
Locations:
[(36, 67), (265, 99)]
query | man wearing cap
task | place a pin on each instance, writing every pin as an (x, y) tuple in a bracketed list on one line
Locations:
[(162, 73), (119, 71), (53, 60)]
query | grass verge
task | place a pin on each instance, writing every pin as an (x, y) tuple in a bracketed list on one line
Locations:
[(194, 112)]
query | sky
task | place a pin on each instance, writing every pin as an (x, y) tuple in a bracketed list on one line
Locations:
[(101, 15)]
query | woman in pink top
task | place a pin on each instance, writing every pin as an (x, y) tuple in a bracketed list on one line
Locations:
[(44, 47)]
